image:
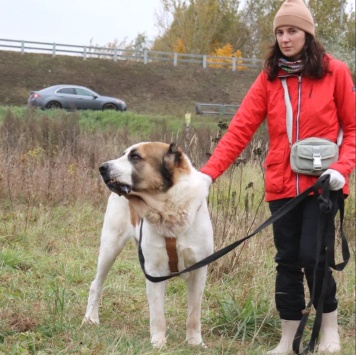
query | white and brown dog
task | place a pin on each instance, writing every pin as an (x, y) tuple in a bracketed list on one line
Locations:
[(156, 182)]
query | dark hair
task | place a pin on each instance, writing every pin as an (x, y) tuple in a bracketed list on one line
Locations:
[(313, 56)]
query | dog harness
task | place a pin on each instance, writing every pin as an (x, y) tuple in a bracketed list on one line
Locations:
[(172, 254)]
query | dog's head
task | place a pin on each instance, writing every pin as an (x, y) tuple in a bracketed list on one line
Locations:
[(149, 167)]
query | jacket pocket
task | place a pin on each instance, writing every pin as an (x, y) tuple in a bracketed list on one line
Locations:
[(274, 171)]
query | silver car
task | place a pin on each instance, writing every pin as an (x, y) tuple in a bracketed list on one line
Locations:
[(73, 97)]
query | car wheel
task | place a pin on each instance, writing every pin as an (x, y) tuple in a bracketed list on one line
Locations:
[(53, 105), (109, 106)]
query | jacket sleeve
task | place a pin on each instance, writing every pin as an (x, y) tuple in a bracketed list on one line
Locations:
[(344, 96), (249, 116)]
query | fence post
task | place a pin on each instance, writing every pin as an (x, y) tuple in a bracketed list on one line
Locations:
[(145, 56), (186, 136), (204, 61), (115, 54), (233, 63), (85, 53), (22, 47), (54, 50), (175, 59)]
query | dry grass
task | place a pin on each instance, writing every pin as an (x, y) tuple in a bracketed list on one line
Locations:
[(52, 204)]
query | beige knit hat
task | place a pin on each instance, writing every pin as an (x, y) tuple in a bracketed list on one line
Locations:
[(294, 13)]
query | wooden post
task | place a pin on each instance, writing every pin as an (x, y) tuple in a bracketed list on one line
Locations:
[(187, 117)]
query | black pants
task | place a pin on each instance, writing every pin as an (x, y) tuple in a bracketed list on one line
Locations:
[(295, 238)]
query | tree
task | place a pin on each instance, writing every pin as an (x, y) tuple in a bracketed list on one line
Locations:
[(140, 42), (204, 26), (330, 10), (226, 51), (258, 16), (338, 32), (201, 25)]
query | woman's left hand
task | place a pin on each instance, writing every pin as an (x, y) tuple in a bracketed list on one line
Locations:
[(337, 181)]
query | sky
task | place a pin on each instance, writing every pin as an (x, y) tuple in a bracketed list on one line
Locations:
[(78, 21)]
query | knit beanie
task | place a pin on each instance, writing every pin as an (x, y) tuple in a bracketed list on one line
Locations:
[(294, 13)]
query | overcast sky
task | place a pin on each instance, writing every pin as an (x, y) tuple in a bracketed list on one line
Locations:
[(78, 21)]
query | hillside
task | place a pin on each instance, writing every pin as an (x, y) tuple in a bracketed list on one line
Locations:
[(155, 88)]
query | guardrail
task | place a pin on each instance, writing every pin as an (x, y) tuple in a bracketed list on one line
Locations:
[(215, 109), (146, 56)]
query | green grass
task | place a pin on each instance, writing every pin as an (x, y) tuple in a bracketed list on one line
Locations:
[(47, 267), (143, 125), (51, 211)]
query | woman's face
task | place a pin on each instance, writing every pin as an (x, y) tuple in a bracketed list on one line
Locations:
[(291, 41)]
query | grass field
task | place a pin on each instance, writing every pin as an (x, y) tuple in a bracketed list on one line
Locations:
[(52, 204)]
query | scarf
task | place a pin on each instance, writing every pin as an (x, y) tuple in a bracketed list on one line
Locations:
[(290, 67)]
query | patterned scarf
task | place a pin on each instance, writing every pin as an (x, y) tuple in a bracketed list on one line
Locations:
[(290, 67)]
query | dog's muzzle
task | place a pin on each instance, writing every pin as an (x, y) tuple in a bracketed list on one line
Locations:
[(111, 182)]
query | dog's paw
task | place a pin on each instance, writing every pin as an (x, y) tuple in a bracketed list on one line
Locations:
[(158, 342), (90, 320), (196, 341)]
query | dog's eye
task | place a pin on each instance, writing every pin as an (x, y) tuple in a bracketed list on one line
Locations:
[(135, 156)]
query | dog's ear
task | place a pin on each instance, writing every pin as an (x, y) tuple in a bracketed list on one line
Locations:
[(173, 148), (171, 160), (174, 163), (174, 154)]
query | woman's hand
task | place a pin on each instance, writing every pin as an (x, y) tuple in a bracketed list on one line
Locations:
[(337, 181), (208, 179)]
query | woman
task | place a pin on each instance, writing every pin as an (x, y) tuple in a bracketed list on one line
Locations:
[(323, 99)]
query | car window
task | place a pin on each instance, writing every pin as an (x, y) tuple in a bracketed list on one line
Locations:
[(66, 91), (83, 92)]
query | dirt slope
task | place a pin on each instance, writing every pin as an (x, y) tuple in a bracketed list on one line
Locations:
[(155, 88)]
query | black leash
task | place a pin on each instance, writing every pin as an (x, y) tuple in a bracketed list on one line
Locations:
[(327, 199), (321, 184), (325, 242)]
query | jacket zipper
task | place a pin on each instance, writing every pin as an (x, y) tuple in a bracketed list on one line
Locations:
[(299, 104), (297, 122)]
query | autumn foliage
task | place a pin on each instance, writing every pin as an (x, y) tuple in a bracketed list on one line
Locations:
[(223, 55)]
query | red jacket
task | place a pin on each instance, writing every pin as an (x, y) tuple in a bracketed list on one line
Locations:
[(323, 104)]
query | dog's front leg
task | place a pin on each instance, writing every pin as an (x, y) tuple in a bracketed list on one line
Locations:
[(195, 287), (106, 259), (155, 296), (116, 231)]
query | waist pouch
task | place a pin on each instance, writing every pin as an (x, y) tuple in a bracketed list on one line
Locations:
[(312, 156)]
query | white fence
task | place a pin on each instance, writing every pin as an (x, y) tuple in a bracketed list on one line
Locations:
[(145, 56), (215, 109)]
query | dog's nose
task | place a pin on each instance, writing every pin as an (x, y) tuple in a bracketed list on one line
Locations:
[(103, 168)]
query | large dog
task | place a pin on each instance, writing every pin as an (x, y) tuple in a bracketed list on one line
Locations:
[(156, 183)]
